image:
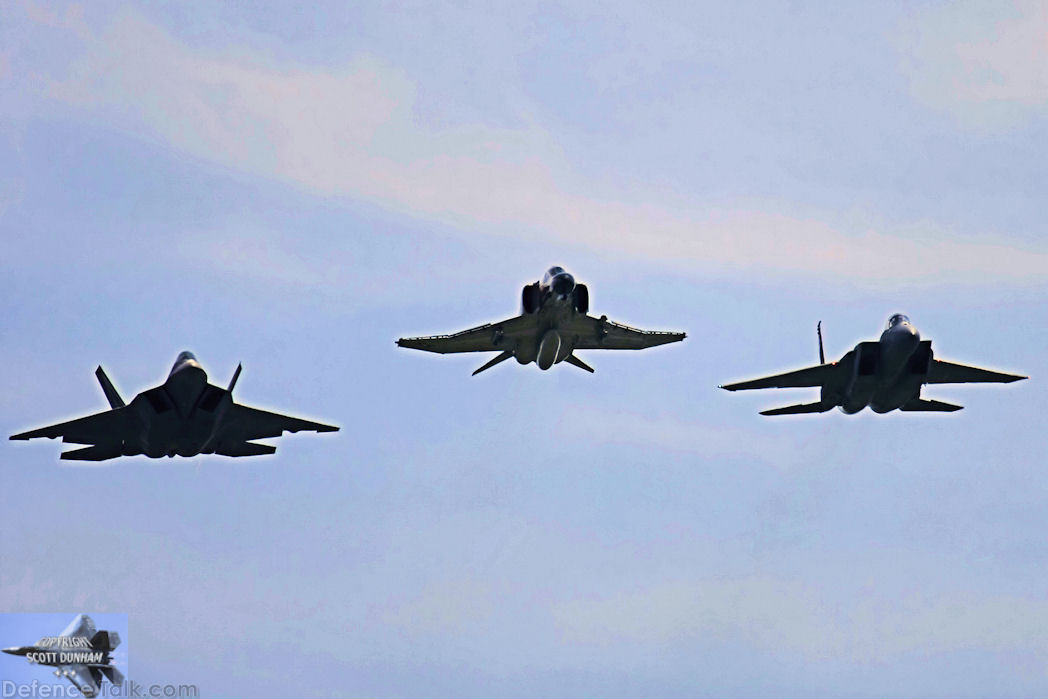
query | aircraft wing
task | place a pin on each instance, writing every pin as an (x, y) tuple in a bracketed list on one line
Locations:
[(601, 333), (108, 427), (490, 337), (818, 375), (948, 372), (243, 423), (86, 679)]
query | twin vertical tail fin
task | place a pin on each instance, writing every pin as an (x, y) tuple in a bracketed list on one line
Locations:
[(105, 641), (819, 407), (115, 401)]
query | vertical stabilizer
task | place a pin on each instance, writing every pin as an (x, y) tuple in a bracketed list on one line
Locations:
[(105, 641), (115, 401)]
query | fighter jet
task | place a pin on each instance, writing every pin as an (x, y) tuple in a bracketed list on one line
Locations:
[(80, 654), (884, 375), (185, 415), (552, 325)]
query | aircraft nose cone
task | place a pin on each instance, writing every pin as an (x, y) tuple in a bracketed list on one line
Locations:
[(904, 331), (563, 284), (13, 650)]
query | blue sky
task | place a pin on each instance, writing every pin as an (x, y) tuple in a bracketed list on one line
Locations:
[(296, 188)]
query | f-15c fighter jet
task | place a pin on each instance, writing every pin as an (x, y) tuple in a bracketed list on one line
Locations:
[(80, 654), (552, 325), (884, 375), (185, 415)]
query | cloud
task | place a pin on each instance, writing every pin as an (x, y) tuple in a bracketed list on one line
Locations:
[(984, 63), (355, 132)]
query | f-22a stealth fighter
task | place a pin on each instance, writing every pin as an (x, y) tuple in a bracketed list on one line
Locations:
[(80, 654), (885, 375), (185, 416), (552, 325)]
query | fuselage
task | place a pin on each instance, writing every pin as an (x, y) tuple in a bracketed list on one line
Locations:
[(62, 650), (886, 374), (556, 306), (180, 417)]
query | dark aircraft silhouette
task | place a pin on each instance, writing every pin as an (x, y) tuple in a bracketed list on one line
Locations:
[(80, 654), (552, 324), (884, 375), (185, 415)]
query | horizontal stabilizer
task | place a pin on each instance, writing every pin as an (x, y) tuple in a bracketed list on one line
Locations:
[(500, 358), (930, 406), (575, 361), (245, 449), (98, 452), (819, 407), (115, 401), (114, 675)]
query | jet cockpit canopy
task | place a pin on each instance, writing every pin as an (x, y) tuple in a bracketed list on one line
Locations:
[(896, 319)]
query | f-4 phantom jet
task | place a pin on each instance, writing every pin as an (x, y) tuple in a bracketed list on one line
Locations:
[(80, 654), (552, 325), (185, 416), (884, 375)]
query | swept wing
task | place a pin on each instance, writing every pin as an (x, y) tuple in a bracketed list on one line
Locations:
[(490, 337), (106, 427), (948, 372), (243, 423), (601, 333)]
